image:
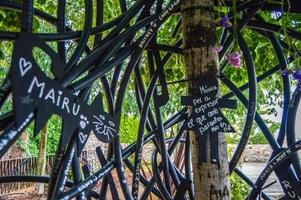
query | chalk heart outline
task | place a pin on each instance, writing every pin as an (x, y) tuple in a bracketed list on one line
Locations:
[(24, 66), (82, 137)]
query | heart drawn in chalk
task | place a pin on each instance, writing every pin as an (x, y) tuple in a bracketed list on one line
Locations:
[(24, 66), (82, 137)]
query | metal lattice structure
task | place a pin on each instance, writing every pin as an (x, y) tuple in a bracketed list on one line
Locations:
[(113, 59)]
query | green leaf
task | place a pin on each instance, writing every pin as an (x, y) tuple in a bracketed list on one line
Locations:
[(42, 2)]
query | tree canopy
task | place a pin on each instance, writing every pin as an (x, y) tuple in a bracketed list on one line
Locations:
[(270, 31)]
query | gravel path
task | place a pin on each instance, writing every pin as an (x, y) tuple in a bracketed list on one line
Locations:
[(252, 170)]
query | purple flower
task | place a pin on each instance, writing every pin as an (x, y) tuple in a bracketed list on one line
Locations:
[(225, 22), (235, 55), (217, 49), (236, 63), (234, 59), (297, 75), (284, 72)]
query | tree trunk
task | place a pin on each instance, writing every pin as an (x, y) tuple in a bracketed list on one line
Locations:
[(41, 166), (210, 181)]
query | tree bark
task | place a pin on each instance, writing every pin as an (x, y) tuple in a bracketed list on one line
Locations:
[(41, 165), (210, 181)]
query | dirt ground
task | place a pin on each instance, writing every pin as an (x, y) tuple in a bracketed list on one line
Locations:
[(31, 194), (24, 194)]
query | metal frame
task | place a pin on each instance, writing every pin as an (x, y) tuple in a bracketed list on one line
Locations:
[(109, 54)]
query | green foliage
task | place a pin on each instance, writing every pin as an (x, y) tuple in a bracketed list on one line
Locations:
[(256, 135), (10, 20), (269, 91), (54, 130), (128, 128), (239, 189)]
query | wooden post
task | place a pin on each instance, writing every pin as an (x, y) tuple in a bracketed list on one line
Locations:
[(41, 162), (210, 181)]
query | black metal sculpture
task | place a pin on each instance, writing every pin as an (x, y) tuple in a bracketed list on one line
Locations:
[(125, 44)]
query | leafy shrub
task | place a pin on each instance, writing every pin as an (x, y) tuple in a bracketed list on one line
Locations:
[(239, 189), (128, 128), (53, 136)]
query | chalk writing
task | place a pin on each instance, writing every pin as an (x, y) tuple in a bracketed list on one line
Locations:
[(150, 32), (5, 87), (67, 170), (24, 66), (11, 134), (44, 97), (271, 166), (101, 127), (290, 191), (218, 194), (206, 117)]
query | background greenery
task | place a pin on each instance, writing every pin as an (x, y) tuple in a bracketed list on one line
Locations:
[(269, 90), (261, 48)]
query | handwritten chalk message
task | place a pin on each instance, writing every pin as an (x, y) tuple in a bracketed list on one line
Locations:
[(206, 116), (288, 182), (34, 92)]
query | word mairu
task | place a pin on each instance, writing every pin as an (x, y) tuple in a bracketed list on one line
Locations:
[(34, 92)]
